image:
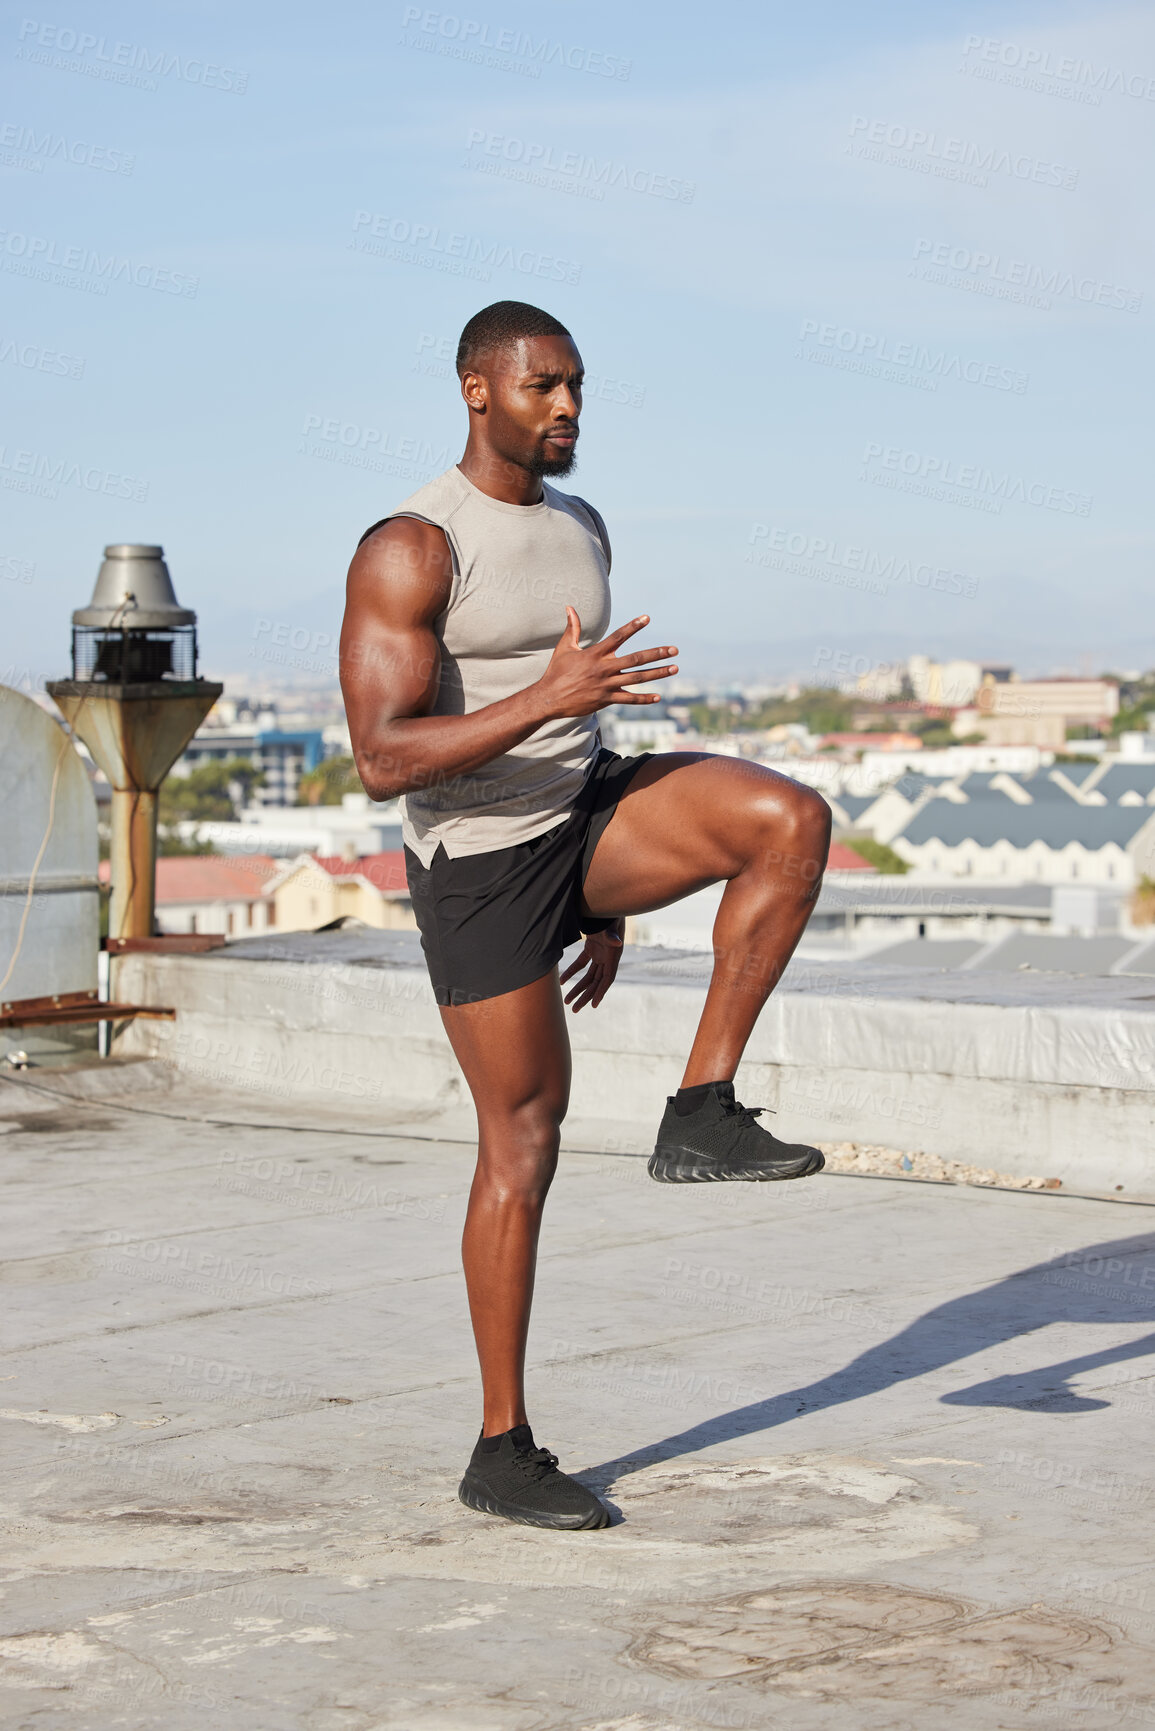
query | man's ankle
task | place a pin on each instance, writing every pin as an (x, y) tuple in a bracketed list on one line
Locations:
[(688, 1100), (502, 1426)]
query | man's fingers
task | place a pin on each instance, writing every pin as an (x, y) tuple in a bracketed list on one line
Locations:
[(640, 656), (581, 957), (582, 990), (624, 631), (573, 628), (641, 677)]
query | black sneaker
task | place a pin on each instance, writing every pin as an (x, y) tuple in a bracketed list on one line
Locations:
[(508, 1476), (721, 1141)]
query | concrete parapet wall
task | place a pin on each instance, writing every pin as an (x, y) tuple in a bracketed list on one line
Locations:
[(1032, 1078)]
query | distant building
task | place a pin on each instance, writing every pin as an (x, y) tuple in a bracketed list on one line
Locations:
[(354, 828), (642, 734), (212, 893), (1038, 711), (1121, 783), (938, 684), (871, 741), (282, 754), (312, 892), (1045, 841), (883, 815)]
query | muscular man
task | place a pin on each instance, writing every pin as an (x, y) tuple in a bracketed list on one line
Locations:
[(475, 657)]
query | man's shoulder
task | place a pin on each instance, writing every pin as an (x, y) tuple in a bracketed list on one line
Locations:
[(437, 499), (434, 503), (582, 512)]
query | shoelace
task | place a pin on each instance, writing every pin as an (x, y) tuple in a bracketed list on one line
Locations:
[(539, 1461), (746, 1114)]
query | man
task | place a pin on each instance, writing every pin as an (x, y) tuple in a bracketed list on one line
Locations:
[(474, 661)]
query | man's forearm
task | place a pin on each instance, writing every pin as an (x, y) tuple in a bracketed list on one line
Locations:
[(425, 750)]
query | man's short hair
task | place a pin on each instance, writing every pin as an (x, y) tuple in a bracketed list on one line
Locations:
[(499, 327)]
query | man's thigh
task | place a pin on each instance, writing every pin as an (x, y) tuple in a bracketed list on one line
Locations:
[(686, 820), (514, 1049)]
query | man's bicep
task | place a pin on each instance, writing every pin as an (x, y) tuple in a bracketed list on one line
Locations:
[(398, 584)]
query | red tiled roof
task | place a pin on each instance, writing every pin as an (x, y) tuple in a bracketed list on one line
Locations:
[(844, 859), (385, 871), (209, 877)]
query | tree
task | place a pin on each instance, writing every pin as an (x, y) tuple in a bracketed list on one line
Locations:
[(211, 792), (329, 782), (876, 853)]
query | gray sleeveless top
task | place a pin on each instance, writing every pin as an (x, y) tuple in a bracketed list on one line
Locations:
[(514, 569)]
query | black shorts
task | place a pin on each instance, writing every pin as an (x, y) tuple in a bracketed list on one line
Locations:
[(492, 922)]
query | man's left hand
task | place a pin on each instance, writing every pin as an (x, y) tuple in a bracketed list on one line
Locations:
[(599, 956)]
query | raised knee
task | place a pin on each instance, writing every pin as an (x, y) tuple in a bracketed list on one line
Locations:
[(793, 832), (814, 818)]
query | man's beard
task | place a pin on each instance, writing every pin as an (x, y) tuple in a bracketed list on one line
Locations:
[(540, 464)]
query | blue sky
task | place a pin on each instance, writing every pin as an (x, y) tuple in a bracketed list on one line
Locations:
[(865, 295)]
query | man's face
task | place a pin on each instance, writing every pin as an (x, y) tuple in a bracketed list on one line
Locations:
[(532, 397)]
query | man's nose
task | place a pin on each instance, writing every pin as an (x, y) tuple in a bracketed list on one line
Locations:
[(565, 405)]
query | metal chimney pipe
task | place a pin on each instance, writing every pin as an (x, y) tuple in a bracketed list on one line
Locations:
[(132, 713)]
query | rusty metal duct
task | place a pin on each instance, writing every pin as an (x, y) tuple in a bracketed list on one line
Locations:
[(135, 700)]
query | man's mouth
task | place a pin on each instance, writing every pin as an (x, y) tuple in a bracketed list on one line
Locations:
[(562, 436)]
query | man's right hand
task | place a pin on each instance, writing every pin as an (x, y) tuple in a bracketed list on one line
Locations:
[(579, 681)]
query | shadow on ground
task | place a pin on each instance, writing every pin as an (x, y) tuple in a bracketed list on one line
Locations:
[(1104, 1283)]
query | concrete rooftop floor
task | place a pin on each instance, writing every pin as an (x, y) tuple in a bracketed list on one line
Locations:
[(881, 1450)]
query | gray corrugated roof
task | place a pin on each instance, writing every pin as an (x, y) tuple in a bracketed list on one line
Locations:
[(1078, 772), (1124, 778), (854, 804), (927, 953), (991, 819), (1055, 955), (914, 783), (1042, 785)]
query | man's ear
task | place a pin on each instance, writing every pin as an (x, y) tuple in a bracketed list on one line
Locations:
[(475, 391)]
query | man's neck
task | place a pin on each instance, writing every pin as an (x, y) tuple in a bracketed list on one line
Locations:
[(499, 478)]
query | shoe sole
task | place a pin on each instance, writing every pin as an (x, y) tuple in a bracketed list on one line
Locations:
[(685, 1166), (485, 1503)]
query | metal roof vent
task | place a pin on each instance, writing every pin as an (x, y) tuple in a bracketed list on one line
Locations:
[(134, 628)]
